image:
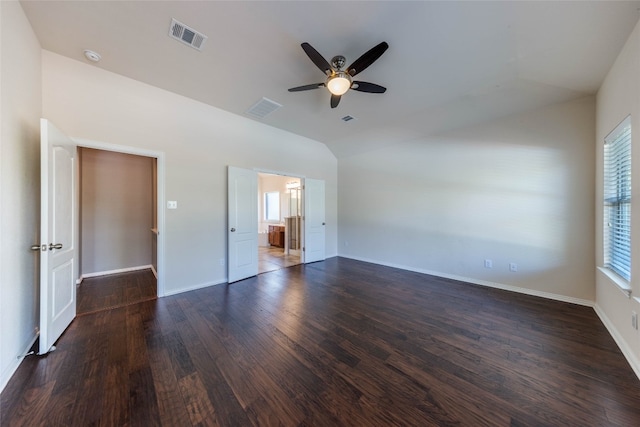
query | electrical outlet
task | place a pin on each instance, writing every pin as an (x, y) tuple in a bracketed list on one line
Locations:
[(221, 261), (346, 243), (513, 266), (488, 263), (634, 320)]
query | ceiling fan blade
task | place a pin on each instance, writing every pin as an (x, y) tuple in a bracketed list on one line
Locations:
[(306, 87), (368, 87), (335, 100), (367, 58), (316, 58)]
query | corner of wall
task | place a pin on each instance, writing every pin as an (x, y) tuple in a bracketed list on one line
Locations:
[(619, 339)]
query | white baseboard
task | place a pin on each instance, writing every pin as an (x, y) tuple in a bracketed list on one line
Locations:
[(15, 363), (119, 270), (622, 344), (194, 287), (155, 273), (527, 291)]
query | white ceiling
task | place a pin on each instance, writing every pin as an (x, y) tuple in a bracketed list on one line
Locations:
[(449, 64)]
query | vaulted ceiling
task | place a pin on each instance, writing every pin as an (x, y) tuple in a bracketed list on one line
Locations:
[(449, 64)]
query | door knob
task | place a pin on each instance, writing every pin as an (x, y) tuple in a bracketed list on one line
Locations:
[(38, 247), (56, 246), (233, 229)]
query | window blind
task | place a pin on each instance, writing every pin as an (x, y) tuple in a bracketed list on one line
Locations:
[(617, 200)]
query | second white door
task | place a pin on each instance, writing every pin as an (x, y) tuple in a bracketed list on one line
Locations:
[(242, 231)]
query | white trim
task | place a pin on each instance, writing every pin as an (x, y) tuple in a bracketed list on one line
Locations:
[(200, 286), (116, 271), (153, 270), (622, 344), (526, 291), (160, 157), (621, 283), (15, 363), (272, 172)]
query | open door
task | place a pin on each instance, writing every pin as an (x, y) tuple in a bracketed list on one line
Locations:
[(58, 208), (242, 232), (314, 221)]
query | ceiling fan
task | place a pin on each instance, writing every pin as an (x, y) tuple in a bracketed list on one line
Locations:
[(339, 81)]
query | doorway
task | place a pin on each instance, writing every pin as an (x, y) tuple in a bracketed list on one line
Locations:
[(279, 222), (117, 228), (243, 202)]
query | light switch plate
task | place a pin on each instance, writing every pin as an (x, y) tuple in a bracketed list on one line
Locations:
[(172, 204)]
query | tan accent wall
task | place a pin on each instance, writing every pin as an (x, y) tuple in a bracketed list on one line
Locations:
[(117, 211)]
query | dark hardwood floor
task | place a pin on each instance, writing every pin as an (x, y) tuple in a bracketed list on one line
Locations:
[(115, 290), (339, 342)]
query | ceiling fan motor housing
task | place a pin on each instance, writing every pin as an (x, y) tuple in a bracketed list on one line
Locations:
[(337, 62)]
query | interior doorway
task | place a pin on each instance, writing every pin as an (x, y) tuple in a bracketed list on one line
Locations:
[(279, 222), (243, 214), (118, 229)]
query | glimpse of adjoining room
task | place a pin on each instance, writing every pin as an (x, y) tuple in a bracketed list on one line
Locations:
[(279, 222), (118, 231)]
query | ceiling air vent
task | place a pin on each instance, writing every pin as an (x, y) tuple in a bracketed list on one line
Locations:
[(263, 108), (186, 35)]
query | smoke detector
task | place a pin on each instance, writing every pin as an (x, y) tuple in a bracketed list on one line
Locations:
[(92, 56)]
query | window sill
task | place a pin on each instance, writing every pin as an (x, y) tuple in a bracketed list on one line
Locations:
[(622, 284)]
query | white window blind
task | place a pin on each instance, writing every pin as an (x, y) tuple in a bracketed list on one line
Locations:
[(617, 200)]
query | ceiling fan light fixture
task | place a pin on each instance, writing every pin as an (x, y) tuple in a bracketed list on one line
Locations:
[(339, 83)]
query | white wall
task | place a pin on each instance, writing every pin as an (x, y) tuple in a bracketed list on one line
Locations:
[(199, 142), (116, 211), (618, 97), (518, 189), (20, 94)]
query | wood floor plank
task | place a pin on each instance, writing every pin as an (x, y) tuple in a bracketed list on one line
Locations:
[(334, 343), (172, 410), (31, 408), (196, 399)]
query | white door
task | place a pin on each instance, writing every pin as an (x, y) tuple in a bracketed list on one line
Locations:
[(242, 232), (314, 222), (57, 234)]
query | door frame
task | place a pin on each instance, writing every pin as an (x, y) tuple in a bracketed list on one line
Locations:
[(159, 156)]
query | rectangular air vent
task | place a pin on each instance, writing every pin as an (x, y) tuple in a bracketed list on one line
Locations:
[(348, 118), (263, 108), (186, 35)]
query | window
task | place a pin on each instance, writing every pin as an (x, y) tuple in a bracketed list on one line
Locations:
[(272, 206), (617, 200)]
